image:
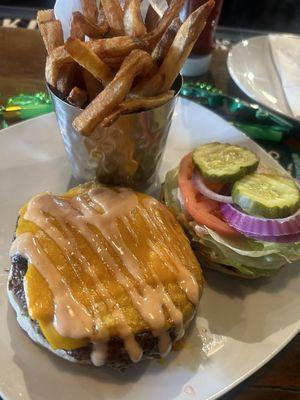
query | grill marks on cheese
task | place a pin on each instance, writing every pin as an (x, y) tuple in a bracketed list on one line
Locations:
[(125, 233)]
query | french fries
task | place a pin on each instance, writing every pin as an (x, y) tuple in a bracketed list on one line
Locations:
[(77, 97), (123, 67), (93, 86), (85, 57), (137, 104), (172, 12), (52, 34), (177, 53), (101, 16), (114, 62), (45, 16), (183, 43), (76, 29), (148, 87), (125, 4), (114, 15), (116, 46), (83, 26), (159, 6), (162, 47), (133, 23), (58, 60), (109, 48), (90, 10), (67, 78), (152, 18), (137, 63)]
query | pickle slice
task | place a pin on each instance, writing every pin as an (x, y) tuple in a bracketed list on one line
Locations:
[(223, 162), (265, 195)]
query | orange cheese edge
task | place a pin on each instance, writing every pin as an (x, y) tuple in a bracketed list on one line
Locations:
[(40, 300), (57, 341), (40, 309)]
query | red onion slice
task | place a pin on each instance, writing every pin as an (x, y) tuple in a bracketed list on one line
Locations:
[(203, 189), (283, 229)]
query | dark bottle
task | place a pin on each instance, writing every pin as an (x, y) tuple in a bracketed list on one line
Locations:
[(200, 57)]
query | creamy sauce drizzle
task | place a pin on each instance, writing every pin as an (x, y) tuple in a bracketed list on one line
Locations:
[(98, 354), (105, 209), (71, 318), (164, 343)]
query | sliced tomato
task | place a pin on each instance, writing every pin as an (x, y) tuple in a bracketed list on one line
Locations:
[(204, 211)]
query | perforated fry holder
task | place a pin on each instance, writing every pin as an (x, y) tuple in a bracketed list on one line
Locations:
[(127, 153)]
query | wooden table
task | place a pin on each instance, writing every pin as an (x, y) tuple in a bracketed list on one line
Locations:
[(22, 58)]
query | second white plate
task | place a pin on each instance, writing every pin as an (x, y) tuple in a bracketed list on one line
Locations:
[(251, 66)]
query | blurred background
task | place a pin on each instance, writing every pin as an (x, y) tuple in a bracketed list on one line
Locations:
[(269, 15)]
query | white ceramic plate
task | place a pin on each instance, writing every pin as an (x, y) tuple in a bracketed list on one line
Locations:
[(251, 66), (248, 321)]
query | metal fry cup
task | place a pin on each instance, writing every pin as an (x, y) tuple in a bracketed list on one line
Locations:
[(127, 153)]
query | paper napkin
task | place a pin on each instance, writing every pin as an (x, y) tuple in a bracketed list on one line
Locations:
[(285, 50)]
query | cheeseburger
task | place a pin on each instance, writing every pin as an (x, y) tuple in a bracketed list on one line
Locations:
[(102, 275)]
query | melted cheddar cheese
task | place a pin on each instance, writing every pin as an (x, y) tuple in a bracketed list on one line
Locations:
[(117, 259)]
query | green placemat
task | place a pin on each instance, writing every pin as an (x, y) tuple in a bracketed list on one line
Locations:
[(275, 134)]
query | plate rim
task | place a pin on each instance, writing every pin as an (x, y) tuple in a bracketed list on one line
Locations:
[(257, 367)]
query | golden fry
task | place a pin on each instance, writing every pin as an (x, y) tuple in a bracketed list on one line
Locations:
[(149, 87), (76, 30), (85, 57), (171, 13), (114, 62), (93, 86), (52, 34), (152, 19), (165, 41), (160, 6), (183, 43), (45, 16), (77, 97), (81, 26), (67, 77), (177, 54), (90, 10), (137, 63), (116, 46), (133, 23), (57, 60), (101, 16), (120, 63), (114, 15), (137, 104), (125, 4)]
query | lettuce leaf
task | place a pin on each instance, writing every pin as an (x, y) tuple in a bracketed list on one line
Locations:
[(248, 256), (170, 191)]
